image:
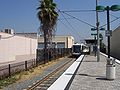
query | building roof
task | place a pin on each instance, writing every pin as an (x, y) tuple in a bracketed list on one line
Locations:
[(30, 35)]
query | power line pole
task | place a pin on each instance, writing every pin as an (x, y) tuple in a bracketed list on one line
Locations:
[(98, 39)]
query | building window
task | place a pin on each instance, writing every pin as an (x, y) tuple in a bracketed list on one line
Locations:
[(61, 45), (40, 45)]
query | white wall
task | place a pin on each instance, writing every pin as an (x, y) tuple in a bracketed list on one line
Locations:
[(70, 42), (16, 48)]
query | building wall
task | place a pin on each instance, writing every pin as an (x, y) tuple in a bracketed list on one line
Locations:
[(14, 47), (70, 42), (67, 40), (115, 43)]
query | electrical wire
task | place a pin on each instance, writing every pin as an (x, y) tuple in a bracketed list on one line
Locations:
[(66, 27), (72, 28), (82, 20), (110, 22), (86, 11), (64, 18), (79, 19), (78, 11), (114, 16)]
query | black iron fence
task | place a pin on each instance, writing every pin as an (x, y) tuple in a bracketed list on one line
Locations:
[(10, 69)]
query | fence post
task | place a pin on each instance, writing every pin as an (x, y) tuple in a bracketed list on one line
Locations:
[(25, 65), (9, 69), (61, 53)]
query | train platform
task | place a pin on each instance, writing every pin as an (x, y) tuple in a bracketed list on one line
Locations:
[(90, 75)]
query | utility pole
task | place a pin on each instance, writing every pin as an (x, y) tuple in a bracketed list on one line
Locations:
[(98, 40), (108, 28)]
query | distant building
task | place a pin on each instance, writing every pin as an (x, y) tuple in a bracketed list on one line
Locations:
[(115, 43), (57, 42), (14, 47), (92, 43), (22, 46), (9, 31)]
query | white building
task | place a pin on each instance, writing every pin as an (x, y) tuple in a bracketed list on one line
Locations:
[(13, 47), (59, 41)]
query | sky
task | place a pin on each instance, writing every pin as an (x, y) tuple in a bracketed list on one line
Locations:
[(21, 15)]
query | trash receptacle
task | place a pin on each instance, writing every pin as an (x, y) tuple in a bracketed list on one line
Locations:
[(110, 70)]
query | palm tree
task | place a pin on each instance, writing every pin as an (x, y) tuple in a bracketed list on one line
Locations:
[(48, 18)]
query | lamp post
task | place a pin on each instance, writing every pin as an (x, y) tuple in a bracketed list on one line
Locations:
[(95, 41), (98, 39), (110, 67)]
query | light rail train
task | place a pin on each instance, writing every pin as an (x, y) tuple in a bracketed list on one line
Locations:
[(78, 49)]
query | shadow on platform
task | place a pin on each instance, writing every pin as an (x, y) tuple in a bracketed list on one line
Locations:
[(89, 61), (97, 77)]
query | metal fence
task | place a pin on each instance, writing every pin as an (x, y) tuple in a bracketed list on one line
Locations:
[(52, 54), (10, 69)]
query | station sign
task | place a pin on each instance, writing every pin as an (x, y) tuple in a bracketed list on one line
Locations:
[(94, 29), (108, 33), (93, 34)]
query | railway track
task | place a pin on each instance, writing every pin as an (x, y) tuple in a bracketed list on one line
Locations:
[(48, 80)]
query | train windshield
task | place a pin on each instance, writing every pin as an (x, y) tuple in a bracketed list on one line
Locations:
[(77, 48)]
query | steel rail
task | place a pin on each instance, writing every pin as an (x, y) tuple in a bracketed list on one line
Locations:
[(48, 76)]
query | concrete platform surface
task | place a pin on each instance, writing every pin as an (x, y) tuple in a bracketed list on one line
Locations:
[(91, 75)]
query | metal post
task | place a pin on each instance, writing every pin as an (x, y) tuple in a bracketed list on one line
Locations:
[(98, 40), (95, 44), (9, 70), (110, 67), (26, 66), (108, 28)]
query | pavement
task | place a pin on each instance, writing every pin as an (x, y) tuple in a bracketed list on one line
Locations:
[(91, 75)]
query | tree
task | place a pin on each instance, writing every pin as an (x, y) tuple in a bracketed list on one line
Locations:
[(48, 18)]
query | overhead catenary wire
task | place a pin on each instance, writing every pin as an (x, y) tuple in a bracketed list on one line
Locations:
[(64, 18), (114, 16), (118, 25), (72, 28), (86, 11), (77, 10), (69, 28), (66, 26), (79, 20), (110, 22), (65, 12)]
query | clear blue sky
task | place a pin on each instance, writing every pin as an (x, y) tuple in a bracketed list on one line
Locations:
[(21, 16)]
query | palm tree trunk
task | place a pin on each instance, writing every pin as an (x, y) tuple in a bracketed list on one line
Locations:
[(45, 46)]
